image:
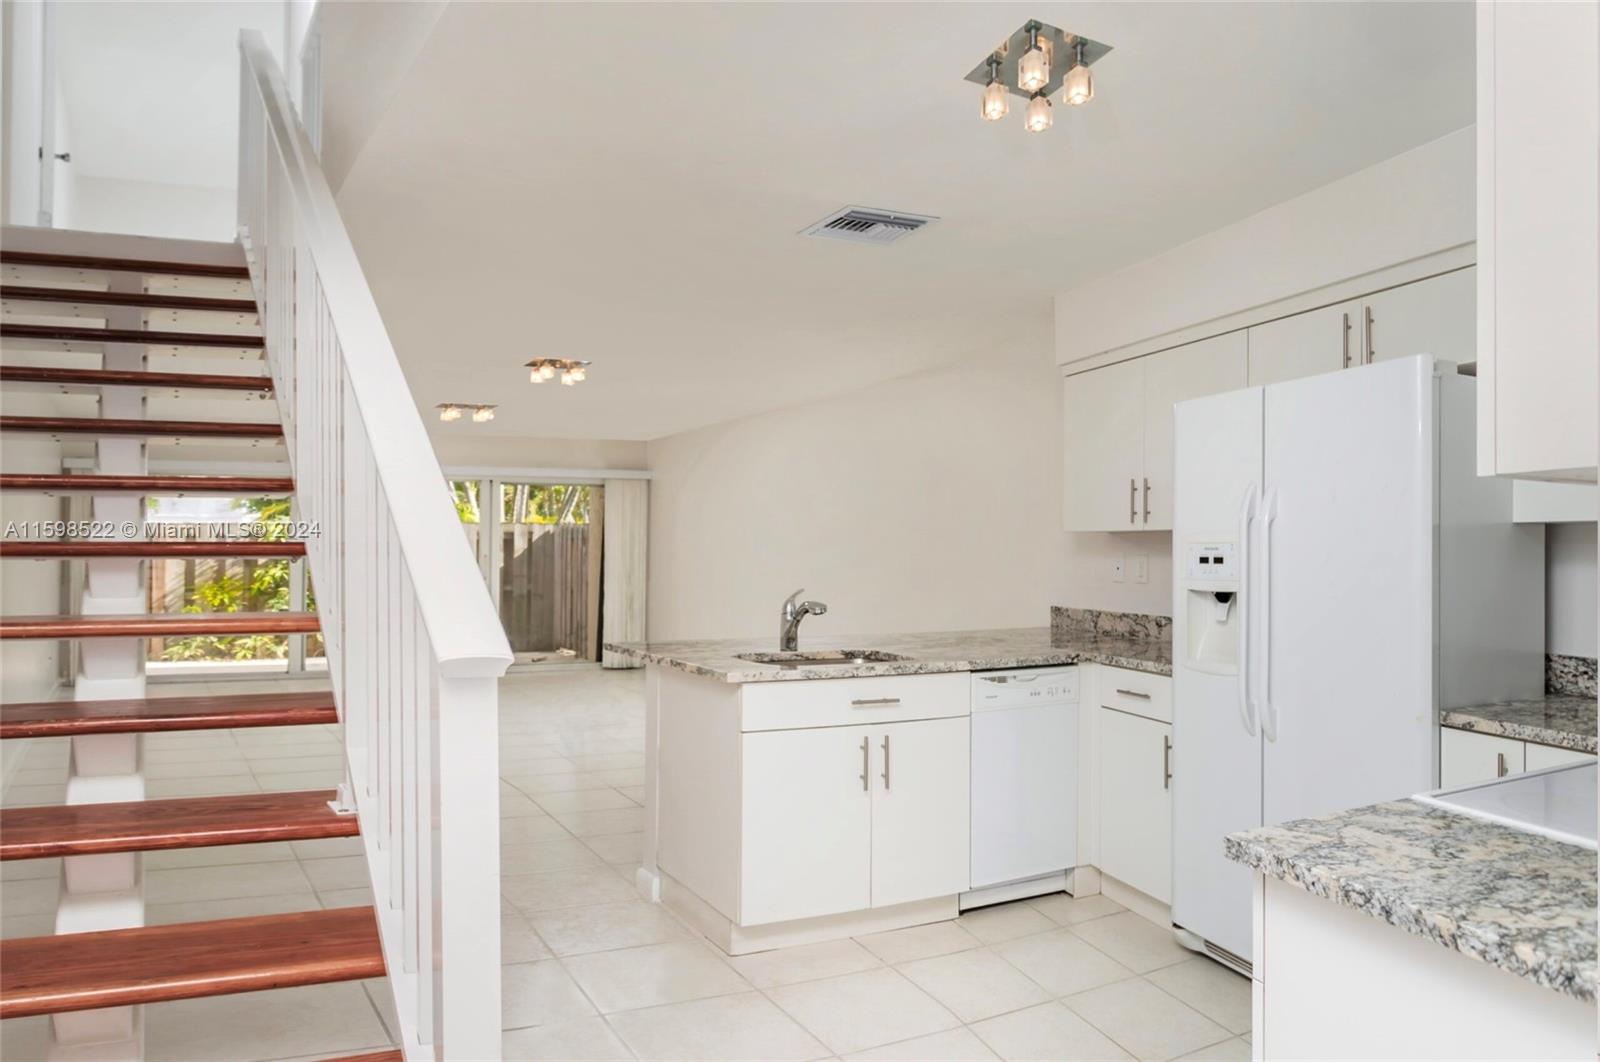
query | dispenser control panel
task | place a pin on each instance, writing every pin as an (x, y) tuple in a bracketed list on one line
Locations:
[(1213, 561)]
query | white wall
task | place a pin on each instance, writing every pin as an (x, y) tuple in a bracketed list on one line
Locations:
[(1570, 589), (1415, 204), (932, 502), (462, 445), (149, 208), (21, 33)]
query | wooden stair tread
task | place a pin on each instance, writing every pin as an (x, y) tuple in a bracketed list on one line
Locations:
[(147, 715), (370, 1056), (126, 298), (149, 337), (152, 825), (120, 967), (143, 426), (245, 486), (158, 625), (161, 547), (117, 377), (122, 265)]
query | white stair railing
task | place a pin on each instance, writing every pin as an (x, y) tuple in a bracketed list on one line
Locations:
[(414, 644)]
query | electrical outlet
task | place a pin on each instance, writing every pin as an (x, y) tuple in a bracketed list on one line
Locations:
[(1140, 567), (1117, 570)]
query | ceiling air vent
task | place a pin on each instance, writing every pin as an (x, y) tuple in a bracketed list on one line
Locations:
[(867, 226)]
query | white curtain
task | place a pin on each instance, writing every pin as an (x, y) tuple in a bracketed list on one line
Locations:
[(627, 528)]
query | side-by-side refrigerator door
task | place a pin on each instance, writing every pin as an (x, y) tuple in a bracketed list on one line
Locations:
[(1216, 743), (1347, 555)]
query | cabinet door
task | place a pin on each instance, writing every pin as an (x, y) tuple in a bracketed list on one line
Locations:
[(806, 838), (1136, 802), (1305, 344), (1538, 757), (921, 826), (1466, 757), (1436, 316), (1104, 440), (1207, 367)]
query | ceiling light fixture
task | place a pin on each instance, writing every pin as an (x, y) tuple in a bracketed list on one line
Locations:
[(996, 104), (572, 370), (1033, 63), (449, 411)]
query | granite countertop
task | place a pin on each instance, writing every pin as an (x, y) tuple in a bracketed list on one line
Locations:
[(1563, 721), (1503, 896), (930, 653)]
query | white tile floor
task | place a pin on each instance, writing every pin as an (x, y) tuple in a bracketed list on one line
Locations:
[(592, 972)]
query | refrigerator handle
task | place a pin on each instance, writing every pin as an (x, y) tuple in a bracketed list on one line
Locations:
[(1269, 714), (1247, 517)]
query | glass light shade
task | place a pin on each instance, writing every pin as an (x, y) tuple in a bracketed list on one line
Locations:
[(996, 102), (568, 379), (482, 413), (579, 373), (547, 371), (1033, 72), (1078, 88), (535, 376), (1038, 118), (450, 413)]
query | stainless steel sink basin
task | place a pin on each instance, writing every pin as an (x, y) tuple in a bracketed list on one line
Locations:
[(824, 658)]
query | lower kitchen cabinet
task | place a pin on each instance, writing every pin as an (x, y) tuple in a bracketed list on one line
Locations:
[(840, 819), (1136, 802), (1466, 756)]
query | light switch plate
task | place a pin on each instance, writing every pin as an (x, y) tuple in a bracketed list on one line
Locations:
[(1117, 570), (1139, 565)]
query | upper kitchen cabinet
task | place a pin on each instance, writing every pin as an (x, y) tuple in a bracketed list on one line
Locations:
[(1430, 316), (1538, 239), (1118, 434)]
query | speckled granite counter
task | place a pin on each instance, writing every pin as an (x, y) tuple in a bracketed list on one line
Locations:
[(929, 653), (1565, 722), (1512, 899)]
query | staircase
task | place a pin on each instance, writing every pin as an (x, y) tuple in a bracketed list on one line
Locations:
[(102, 973), (414, 646)]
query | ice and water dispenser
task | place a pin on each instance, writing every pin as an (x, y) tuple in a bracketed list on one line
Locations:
[(1211, 578)]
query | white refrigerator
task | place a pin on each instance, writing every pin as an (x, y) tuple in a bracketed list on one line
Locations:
[(1340, 574)]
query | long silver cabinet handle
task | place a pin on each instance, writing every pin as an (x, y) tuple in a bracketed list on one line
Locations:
[(1371, 354), (1134, 693), (866, 768), (886, 761), (874, 702), (1147, 501), (1345, 340), (1166, 762), (1500, 768), (1133, 501)]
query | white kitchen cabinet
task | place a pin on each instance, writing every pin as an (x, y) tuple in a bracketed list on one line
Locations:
[(1208, 367), (920, 810), (1538, 757), (1136, 802), (1104, 439), (806, 837), (1305, 344), (1466, 757), (1538, 188), (1118, 433), (840, 819), (1435, 316)]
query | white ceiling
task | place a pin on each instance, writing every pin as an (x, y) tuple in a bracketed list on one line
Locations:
[(151, 90), (625, 183)]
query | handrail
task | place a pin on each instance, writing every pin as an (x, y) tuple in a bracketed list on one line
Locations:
[(414, 645)]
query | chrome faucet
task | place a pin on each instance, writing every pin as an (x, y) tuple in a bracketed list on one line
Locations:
[(789, 631)]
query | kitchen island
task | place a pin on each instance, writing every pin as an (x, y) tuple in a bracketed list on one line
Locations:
[(1403, 930), (807, 800)]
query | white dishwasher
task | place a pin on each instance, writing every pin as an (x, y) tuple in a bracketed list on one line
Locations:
[(1024, 776)]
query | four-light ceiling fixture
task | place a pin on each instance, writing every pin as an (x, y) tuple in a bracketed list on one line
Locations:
[(1032, 63), (572, 370), (449, 411)]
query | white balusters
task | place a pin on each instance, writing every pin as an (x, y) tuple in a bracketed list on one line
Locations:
[(413, 642)]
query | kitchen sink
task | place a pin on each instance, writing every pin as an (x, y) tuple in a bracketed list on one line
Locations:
[(824, 658)]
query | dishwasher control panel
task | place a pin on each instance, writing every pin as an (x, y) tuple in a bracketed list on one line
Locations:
[(1033, 685)]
